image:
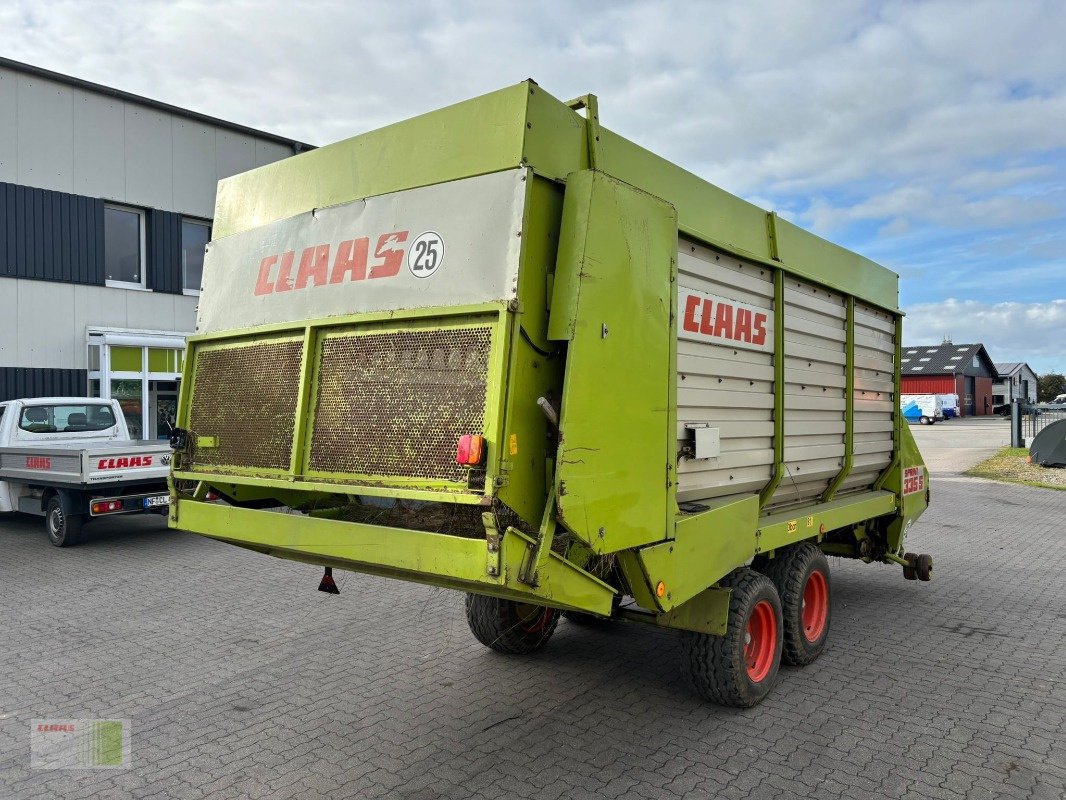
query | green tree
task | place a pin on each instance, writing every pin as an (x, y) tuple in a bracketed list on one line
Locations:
[(1049, 386)]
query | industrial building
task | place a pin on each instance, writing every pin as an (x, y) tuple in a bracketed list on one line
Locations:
[(106, 200), (948, 368)]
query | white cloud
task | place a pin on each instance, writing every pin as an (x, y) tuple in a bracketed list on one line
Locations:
[(889, 117), (1030, 332)]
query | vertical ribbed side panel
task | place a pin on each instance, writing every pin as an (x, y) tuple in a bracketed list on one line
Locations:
[(51, 236), (875, 397), (19, 382), (725, 385), (815, 384), (164, 251)]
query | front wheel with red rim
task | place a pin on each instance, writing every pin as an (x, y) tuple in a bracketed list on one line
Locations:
[(739, 668), (510, 627), (801, 575)]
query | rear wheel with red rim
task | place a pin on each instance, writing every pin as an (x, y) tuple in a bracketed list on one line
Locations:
[(510, 627), (739, 668), (801, 575)]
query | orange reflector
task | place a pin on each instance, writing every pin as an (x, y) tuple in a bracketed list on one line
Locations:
[(660, 589), (107, 506), (821, 529), (471, 450)]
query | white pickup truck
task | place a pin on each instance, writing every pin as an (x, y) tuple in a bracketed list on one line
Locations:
[(70, 459)]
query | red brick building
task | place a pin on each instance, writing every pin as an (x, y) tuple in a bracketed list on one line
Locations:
[(948, 368)]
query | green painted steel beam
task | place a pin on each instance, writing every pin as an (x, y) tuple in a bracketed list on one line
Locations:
[(434, 558), (813, 520)]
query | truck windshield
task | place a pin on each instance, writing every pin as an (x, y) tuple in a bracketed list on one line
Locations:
[(67, 419)]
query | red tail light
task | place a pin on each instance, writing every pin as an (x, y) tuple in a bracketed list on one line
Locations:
[(107, 506), (471, 450)]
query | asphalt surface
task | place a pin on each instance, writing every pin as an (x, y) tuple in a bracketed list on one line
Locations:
[(242, 681)]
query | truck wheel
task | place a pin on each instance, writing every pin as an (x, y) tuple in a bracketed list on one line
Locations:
[(739, 668), (63, 529), (801, 575), (925, 421), (510, 627)]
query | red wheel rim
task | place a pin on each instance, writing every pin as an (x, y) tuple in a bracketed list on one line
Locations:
[(535, 620), (815, 606), (760, 642)]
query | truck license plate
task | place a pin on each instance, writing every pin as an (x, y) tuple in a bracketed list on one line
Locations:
[(157, 500)]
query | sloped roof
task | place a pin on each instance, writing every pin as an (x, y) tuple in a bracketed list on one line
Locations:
[(942, 358), (1008, 368)]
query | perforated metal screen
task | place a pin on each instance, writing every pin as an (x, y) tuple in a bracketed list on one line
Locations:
[(245, 397), (395, 404)]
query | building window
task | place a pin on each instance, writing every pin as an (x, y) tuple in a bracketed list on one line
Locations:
[(124, 247), (976, 362), (194, 238)]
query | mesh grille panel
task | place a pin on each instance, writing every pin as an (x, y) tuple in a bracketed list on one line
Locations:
[(396, 404), (246, 396)]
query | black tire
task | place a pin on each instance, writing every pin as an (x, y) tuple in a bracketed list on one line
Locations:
[(510, 627), (717, 666), (923, 567), (925, 421), (64, 529), (792, 572)]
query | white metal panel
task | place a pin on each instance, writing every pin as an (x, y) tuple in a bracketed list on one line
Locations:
[(8, 126), (149, 157), (45, 134), (371, 255), (725, 384), (149, 310), (185, 313), (195, 174), (45, 314), (99, 146), (269, 152), (234, 153), (99, 307)]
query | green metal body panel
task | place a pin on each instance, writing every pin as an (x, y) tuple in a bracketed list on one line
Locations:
[(591, 330), (451, 561), (613, 302)]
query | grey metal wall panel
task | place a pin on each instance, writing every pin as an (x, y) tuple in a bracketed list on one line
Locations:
[(815, 385), (45, 315), (725, 387), (99, 147), (45, 134), (149, 311), (195, 175), (875, 398), (18, 382), (164, 251), (8, 126), (50, 236), (149, 158), (185, 313), (269, 152), (233, 153)]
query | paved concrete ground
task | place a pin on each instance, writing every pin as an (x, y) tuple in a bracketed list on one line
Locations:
[(958, 444), (242, 681)]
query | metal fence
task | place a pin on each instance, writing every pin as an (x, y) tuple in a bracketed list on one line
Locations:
[(1028, 419)]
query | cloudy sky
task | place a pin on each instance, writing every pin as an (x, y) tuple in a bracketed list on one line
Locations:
[(930, 136)]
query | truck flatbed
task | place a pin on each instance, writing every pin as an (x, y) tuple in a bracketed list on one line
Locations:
[(87, 464)]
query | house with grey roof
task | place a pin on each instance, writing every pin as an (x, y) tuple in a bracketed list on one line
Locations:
[(948, 368), (1016, 381)]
